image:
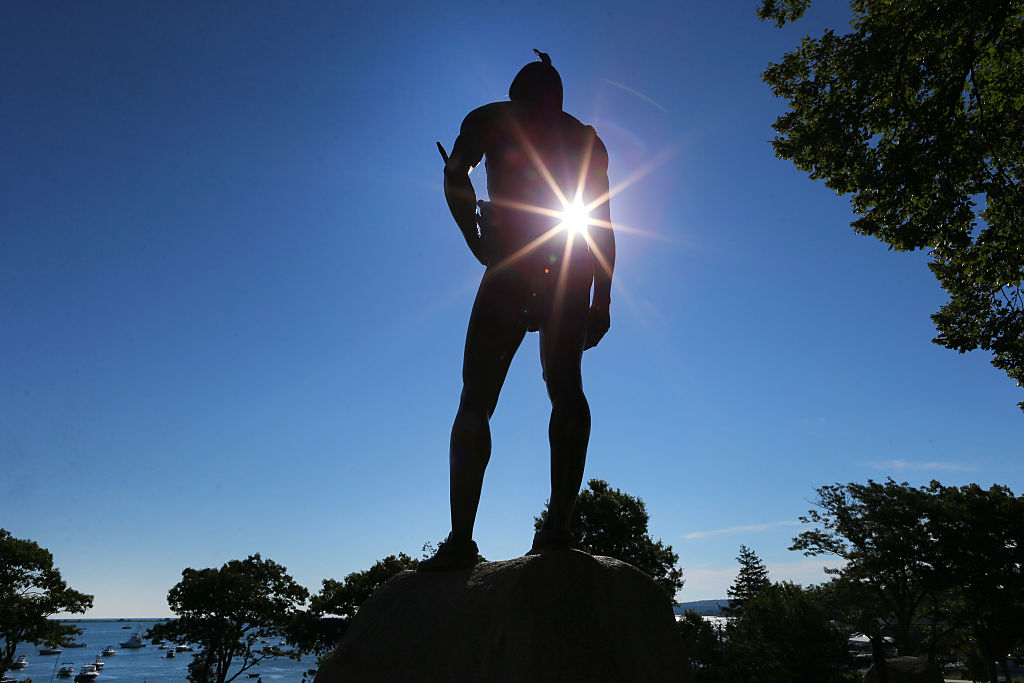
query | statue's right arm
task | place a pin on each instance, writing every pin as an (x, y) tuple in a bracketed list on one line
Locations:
[(458, 190)]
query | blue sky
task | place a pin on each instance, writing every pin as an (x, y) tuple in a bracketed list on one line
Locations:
[(233, 300)]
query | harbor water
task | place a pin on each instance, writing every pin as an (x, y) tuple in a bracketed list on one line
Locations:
[(141, 665)]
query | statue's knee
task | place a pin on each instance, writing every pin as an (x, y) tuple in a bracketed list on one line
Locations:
[(569, 395), (470, 419)]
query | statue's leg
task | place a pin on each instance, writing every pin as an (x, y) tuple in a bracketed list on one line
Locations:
[(496, 329), (561, 348)]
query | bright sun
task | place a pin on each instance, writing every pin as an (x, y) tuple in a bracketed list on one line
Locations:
[(575, 216)]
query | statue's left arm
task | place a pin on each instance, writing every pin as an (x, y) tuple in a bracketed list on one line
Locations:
[(602, 242)]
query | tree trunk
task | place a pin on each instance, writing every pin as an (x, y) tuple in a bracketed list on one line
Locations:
[(990, 666), (1005, 665), (878, 655)]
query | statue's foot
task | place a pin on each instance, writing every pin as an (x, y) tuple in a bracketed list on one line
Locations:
[(451, 555), (552, 539)]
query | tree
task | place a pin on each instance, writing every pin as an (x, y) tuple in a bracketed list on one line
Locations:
[(981, 534), (751, 580), (918, 113), (31, 590), (609, 522), (228, 611), (925, 565), (786, 634), (891, 558), (318, 630), (703, 643)]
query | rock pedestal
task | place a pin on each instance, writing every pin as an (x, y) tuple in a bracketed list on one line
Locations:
[(561, 617)]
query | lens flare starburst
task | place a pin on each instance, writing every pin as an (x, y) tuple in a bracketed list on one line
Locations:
[(575, 217)]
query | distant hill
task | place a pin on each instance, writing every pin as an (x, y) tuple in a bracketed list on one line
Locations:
[(705, 608)]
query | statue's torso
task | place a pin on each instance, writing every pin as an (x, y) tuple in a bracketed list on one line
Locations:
[(534, 160)]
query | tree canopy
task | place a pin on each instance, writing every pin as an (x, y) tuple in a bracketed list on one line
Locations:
[(923, 561), (703, 643), (981, 534), (751, 579), (608, 522), (228, 611), (918, 113), (32, 590), (320, 628), (786, 634)]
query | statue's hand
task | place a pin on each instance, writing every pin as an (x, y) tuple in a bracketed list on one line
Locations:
[(598, 322), (485, 221)]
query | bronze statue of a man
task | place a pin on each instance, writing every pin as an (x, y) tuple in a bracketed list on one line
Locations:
[(541, 164)]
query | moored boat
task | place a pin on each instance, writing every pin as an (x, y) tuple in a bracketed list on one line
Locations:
[(67, 670), (134, 642), (88, 673), (50, 651), (108, 651), (21, 663)]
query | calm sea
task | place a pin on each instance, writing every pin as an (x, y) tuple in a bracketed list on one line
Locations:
[(144, 665)]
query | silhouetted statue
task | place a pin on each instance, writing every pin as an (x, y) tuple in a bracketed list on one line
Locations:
[(540, 269)]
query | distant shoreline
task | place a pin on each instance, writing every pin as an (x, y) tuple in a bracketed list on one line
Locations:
[(124, 619)]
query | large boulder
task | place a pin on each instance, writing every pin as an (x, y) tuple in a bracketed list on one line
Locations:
[(906, 670), (561, 616)]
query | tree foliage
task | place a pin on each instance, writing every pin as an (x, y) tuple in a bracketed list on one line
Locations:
[(608, 522), (879, 530), (786, 634), (923, 562), (982, 532), (703, 643), (32, 590), (319, 629), (751, 579), (228, 612), (918, 113)]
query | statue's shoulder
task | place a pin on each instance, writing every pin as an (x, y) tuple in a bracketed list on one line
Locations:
[(486, 117), (584, 130), (587, 136)]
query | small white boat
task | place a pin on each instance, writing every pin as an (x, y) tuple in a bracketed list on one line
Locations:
[(21, 663), (170, 654), (50, 651), (66, 670), (88, 673), (108, 651), (135, 642), (183, 648), (99, 663)]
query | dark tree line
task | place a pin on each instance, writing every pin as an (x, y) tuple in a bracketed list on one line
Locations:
[(934, 572), (777, 633), (931, 572), (232, 610), (937, 569)]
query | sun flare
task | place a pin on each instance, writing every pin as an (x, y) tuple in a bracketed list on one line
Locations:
[(575, 216)]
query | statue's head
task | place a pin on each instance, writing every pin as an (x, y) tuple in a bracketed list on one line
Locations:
[(538, 83)]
